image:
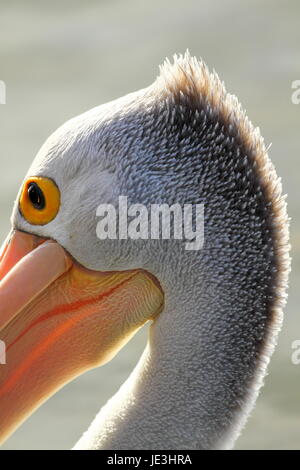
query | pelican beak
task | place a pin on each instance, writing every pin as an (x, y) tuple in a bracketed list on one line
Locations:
[(59, 319)]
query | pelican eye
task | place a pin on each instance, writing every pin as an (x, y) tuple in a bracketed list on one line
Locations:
[(40, 200), (36, 196)]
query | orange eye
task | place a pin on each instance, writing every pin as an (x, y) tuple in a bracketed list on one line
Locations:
[(39, 201)]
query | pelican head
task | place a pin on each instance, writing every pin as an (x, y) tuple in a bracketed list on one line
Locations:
[(71, 299)]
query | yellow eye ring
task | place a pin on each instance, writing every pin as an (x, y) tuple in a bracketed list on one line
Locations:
[(40, 200)]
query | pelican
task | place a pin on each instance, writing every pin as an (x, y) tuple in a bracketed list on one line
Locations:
[(70, 300)]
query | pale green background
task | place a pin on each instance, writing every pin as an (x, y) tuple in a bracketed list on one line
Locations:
[(61, 58)]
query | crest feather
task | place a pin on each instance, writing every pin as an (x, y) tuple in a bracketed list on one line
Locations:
[(187, 81)]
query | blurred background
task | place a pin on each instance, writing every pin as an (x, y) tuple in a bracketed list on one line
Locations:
[(59, 59)]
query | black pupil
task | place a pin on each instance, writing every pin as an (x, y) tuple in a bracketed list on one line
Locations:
[(36, 196)]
